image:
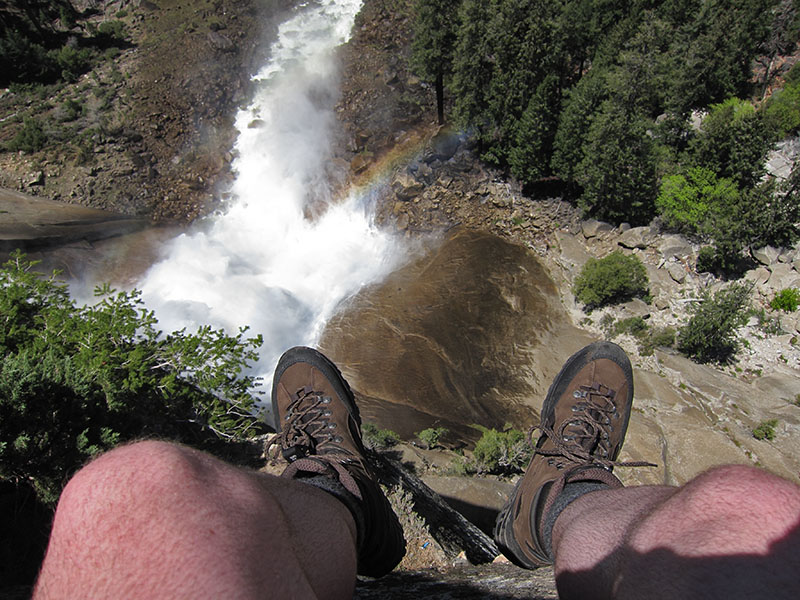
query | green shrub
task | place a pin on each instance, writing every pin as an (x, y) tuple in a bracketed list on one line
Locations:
[(431, 436), (378, 438), (690, 203), (786, 300), (656, 338), (707, 260), (610, 280), (77, 380), (72, 61), (30, 138), (501, 452), (72, 109), (635, 326), (114, 30), (711, 333), (765, 430), (782, 110)]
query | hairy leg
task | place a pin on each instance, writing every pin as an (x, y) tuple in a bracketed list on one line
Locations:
[(158, 520), (732, 532)]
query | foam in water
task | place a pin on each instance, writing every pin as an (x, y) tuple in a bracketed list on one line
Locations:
[(263, 263)]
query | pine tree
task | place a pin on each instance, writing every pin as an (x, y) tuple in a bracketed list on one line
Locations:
[(434, 44)]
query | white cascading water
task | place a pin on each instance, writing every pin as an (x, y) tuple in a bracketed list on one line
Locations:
[(262, 263)]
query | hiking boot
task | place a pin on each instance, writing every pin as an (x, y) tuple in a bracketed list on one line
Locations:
[(583, 423), (320, 436)]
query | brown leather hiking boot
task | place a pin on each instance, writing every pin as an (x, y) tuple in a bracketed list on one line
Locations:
[(584, 419), (320, 436)]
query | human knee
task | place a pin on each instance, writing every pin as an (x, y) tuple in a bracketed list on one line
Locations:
[(733, 508), (133, 470), (740, 491)]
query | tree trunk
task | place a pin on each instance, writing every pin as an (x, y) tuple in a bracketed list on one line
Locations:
[(440, 97)]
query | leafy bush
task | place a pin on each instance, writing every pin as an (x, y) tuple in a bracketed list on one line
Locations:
[(782, 111), (711, 333), (635, 326), (501, 451), (649, 338), (765, 430), (610, 280), (691, 202), (786, 300), (31, 138), (431, 436), (733, 142), (77, 380), (707, 261), (72, 61), (378, 438), (115, 30), (657, 338)]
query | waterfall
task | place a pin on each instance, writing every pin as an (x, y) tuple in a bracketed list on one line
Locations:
[(261, 262)]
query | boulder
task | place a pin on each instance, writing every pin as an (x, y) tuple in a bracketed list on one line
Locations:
[(782, 276), (636, 308), (635, 237), (758, 276), (443, 146), (406, 187), (592, 228), (675, 246), (766, 255), (677, 271)]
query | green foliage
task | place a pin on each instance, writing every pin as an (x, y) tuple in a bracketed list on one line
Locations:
[(77, 380), (618, 169), (72, 61), (662, 337), (707, 261), (635, 326), (733, 142), (610, 280), (434, 43), (72, 109), (711, 333), (765, 430), (501, 452), (694, 202), (782, 111), (432, 436), (115, 30), (378, 438), (30, 138), (649, 338), (786, 300)]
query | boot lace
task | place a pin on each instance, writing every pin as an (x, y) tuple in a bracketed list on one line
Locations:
[(306, 429), (583, 440)]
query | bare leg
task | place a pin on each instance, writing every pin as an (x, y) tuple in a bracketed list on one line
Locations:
[(732, 532), (157, 520)]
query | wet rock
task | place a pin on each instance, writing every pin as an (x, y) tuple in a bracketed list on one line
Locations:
[(359, 163), (221, 42), (406, 187), (422, 347), (443, 146)]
